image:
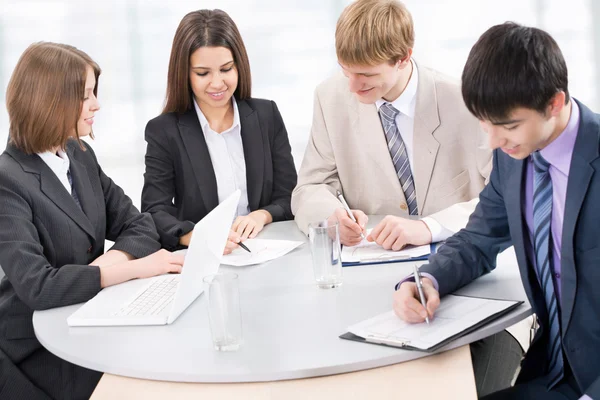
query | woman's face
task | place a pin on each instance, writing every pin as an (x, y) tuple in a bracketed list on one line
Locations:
[(90, 105), (213, 76)]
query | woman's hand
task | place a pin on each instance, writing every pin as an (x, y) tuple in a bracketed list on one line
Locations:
[(161, 262), (158, 263), (232, 242), (250, 225)]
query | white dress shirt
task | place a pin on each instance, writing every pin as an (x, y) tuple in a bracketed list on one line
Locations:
[(227, 155), (405, 121), (59, 164)]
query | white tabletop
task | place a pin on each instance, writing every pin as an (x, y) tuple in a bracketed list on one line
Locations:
[(290, 326)]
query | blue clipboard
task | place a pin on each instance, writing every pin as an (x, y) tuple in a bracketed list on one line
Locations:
[(434, 248)]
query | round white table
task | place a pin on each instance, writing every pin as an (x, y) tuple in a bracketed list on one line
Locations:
[(290, 326)]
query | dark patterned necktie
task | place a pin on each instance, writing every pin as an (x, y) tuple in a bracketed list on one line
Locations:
[(542, 218), (397, 149)]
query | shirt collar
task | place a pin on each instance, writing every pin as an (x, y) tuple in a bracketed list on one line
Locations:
[(405, 103), (58, 162), (560, 151), (204, 122)]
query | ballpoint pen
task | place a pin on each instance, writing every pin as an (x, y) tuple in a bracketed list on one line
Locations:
[(343, 201), (243, 246), (420, 289)]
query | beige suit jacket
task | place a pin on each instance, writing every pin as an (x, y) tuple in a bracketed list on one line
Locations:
[(347, 151)]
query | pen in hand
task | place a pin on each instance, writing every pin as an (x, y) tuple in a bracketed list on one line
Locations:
[(343, 201), (420, 289), (243, 246)]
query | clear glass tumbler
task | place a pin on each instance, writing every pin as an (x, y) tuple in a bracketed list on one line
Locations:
[(326, 254), (223, 296)]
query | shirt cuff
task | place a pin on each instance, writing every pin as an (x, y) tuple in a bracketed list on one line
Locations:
[(438, 232), (411, 278)]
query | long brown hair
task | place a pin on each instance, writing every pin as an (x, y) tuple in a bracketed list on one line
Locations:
[(45, 95), (203, 28)]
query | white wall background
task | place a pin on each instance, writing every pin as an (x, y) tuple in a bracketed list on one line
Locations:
[(290, 45)]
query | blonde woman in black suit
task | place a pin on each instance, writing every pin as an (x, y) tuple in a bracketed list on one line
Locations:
[(57, 207), (213, 138)]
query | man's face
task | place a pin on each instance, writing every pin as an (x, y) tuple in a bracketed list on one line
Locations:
[(371, 83), (522, 132)]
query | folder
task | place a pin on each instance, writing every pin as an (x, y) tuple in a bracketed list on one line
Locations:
[(456, 317)]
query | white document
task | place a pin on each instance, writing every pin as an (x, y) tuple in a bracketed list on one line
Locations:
[(262, 250), (455, 315), (367, 251)]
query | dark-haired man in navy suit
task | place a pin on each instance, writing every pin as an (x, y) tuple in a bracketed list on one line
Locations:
[(543, 198)]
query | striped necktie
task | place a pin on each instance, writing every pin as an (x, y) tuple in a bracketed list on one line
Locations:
[(73, 192), (397, 149), (542, 218)]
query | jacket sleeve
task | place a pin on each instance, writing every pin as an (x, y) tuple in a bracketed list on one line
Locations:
[(472, 251), (159, 189), (284, 171), (133, 232), (314, 197)]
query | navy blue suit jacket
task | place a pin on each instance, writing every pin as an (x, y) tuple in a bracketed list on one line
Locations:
[(498, 222)]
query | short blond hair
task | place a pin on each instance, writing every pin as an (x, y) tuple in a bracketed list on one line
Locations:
[(371, 32)]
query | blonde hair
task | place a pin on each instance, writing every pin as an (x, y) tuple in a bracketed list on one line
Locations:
[(370, 32), (45, 95)]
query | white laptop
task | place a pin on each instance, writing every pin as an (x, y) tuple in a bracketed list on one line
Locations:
[(160, 300)]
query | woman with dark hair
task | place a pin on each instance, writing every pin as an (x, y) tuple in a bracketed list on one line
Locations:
[(57, 207), (213, 138)]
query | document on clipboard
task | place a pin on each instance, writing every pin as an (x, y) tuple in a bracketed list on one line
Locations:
[(456, 317), (366, 253)]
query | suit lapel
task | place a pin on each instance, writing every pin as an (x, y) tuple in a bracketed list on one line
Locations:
[(84, 190), (252, 140), (51, 186), (197, 152), (514, 201), (425, 146), (580, 176), (372, 142)]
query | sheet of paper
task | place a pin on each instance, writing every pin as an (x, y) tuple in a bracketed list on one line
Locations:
[(455, 314), (262, 250), (369, 251)]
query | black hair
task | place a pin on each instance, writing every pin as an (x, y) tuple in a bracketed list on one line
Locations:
[(513, 66)]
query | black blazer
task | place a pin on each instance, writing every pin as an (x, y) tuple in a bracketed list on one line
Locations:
[(497, 223), (46, 244), (180, 187)]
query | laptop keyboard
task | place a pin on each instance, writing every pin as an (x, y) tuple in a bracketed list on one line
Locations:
[(152, 300)]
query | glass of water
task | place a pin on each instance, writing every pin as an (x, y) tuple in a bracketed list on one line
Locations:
[(326, 252), (223, 297)]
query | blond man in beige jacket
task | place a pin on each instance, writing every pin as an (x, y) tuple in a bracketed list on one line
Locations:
[(349, 150), (396, 139)]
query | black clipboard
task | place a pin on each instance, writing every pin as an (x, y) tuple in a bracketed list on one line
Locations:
[(406, 344)]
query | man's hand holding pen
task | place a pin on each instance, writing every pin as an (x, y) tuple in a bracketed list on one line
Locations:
[(407, 302), (350, 231)]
